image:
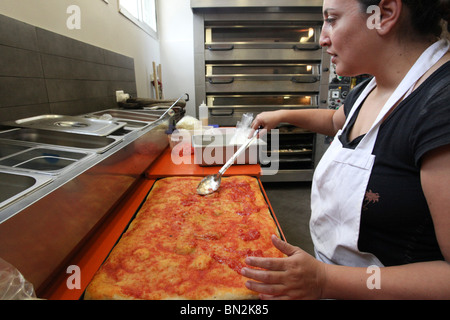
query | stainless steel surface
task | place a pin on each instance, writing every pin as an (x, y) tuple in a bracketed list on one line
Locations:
[(240, 41), (142, 146), (201, 4), (270, 35), (9, 148), (262, 78), (243, 65), (250, 54), (226, 110), (97, 144), (44, 160), (266, 101), (71, 124), (131, 118), (264, 71), (44, 218), (15, 185), (211, 183)]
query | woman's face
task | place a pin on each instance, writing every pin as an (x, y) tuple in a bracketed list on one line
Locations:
[(346, 36)]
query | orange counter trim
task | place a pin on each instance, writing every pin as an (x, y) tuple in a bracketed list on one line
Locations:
[(91, 256), (164, 167), (95, 251)]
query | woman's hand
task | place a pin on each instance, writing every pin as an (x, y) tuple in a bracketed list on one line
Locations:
[(298, 276), (266, 121)]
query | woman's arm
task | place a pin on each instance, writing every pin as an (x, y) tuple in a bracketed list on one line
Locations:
[(299, 275), (324, 121)]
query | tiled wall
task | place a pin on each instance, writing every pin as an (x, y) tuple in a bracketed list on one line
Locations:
[(42, 72)]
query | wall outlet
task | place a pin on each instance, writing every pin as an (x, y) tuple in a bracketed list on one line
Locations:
[(121, 96)]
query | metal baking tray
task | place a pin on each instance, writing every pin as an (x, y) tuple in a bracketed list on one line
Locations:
[(70, 124)]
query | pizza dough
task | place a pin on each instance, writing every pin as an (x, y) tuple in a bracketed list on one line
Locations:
[(185, 246)]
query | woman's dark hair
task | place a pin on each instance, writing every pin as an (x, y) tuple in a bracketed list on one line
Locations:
[(426, 15)]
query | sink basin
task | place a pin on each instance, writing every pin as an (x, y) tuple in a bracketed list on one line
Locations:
[(43, 159), (7, 149), (13, 186), (72, 140)]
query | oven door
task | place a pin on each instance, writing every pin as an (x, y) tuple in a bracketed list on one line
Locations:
[(244, 42), (226, 110), (263, 77)]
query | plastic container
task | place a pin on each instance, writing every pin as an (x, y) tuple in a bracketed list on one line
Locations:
[(215, 149), (203, 114)]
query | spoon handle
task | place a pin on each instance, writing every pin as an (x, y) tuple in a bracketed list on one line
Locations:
[(238, 152)]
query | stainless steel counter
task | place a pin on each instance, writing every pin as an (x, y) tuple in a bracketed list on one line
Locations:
[(198, 4), (51, 216)]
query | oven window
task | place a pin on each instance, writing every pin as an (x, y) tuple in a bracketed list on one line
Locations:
[(256, 69), (269, 100), (269, 34)]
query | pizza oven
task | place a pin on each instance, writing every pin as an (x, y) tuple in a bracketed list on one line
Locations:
[(255, 59)]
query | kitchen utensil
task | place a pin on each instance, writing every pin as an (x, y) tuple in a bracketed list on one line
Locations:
[(173, 105), (211, 183)]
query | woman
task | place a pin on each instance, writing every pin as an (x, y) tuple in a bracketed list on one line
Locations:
[(380, 195)]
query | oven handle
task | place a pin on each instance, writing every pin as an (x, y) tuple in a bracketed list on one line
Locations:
[(220, 47), (220, 112), (221, 80), (306, 47), (305, 79)]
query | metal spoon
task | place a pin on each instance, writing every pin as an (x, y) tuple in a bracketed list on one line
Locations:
[(211, 183), (170, 111)]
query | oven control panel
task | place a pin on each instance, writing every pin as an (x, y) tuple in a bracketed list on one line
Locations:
[(337, 94), (338, 89)]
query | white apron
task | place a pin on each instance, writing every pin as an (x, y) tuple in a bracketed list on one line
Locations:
[(340, 180)]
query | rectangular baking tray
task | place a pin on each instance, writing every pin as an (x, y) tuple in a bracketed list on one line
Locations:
[(145, 198)]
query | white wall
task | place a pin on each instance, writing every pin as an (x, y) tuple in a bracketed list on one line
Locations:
[(177, 50), (101, 25)]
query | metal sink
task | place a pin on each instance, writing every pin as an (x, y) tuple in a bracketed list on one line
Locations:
[(8, 149), (97, 144), (41, 159), (15, 185)]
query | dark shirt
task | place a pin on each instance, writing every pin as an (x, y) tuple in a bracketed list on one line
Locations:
[(396, 224)]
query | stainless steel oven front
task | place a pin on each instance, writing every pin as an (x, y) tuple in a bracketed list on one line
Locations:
[(263, 59)]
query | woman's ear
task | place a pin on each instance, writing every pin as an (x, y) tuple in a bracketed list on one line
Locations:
[(390, 16)]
